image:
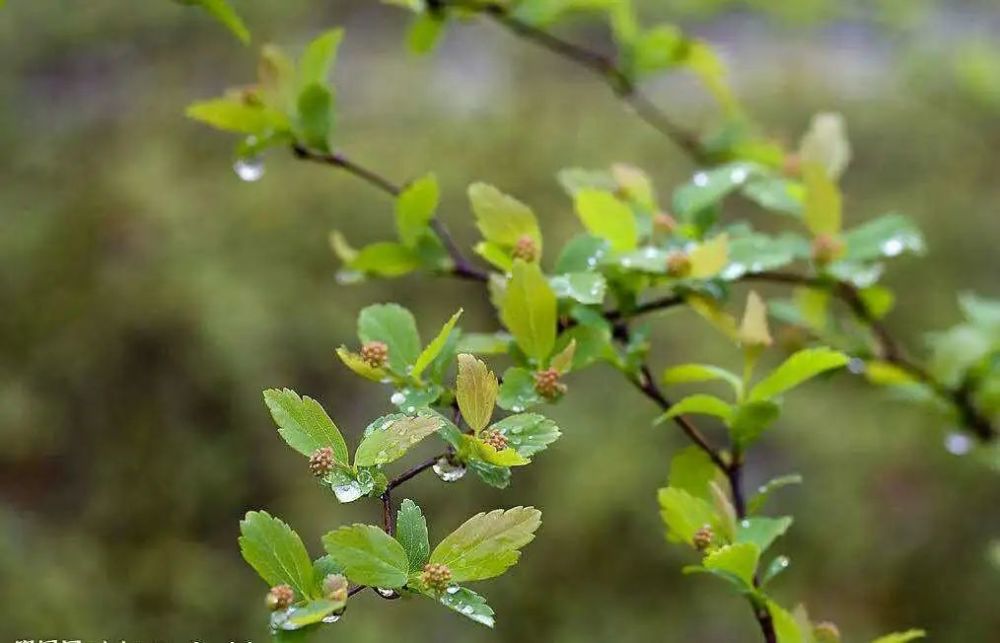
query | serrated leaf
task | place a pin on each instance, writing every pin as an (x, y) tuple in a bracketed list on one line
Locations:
[(303, 423), (394, 436), (319, 58), (491, 474), (432, 350), (476, 389), (700, 404), (901, 637), (395, 326), (368, 555), (528, 310), (501, 458), (607, 217), (487, 544), (528, 433), (685, 373), (761, 531), (739, 559), (709, 258), (276, 552), (822, 213), (517, 392), (415, 208), (684, 514), (800, 367), (502, 219), (467, 603), (691, 470), (411, 532)]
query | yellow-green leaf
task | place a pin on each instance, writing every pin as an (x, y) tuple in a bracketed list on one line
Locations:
[(739, 560), (276, 552), (368, 555), (502, 219), (357, 364), (823, 203), (825, 144), (432, 350), (901, 637), (225, 14), (319, 57), (607, 217), (234, 115), (701, 404), (709, 258), (476, 390), (528, 310), (415, 208), (754, 330), (801, 366), (487, 544), (394, 437)]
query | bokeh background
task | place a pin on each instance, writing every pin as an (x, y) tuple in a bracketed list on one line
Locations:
[(147, 296)]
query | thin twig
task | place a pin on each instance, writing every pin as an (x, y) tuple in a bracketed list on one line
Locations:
[(415, 471)]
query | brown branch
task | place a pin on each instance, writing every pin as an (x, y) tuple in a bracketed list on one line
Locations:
[(461, 267)]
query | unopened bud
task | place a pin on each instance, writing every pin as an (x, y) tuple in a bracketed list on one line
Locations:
[(321, 461), (826, 632), (702, 538), (335, 587), (280, 597), (436, 576), (375, 354), (665, 223), (547, 384), (525, 249), (827, 248), (678, 264), (494, 438), (792, 165)]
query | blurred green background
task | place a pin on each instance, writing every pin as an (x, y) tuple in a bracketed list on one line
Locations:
[(147, 296)]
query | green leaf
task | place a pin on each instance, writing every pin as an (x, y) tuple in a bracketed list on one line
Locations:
[(386, 259), (234, 115), (528, 433), (415, 208), (825, 144), (424, 33), (517, 392), (304, 424), (476, 390), (411, 532), (901, 637), (528, 310), (491, 474), (801, 366), (487, 544), (584, 287), (302, 616), (396, 327), (701, 404), (709, 258), (502, 219), (684, 514), (276, 552), (467, 603), (607, 217), (435, 347), (484, 343), (323, 567), (506, 458), (708, 188), (762, 532), (823, 204), (785, 626), (222, 12), (315, 116), (659, 48), (393, 436), (758, 500), (319, 58), (368, 555), (776, 194), (739, 560), (582, 253), (691, 470), (685, 373), (750, 419), (886, 236)]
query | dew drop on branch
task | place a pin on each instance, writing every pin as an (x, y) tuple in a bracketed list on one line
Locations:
[(957, 443), (449, 471)]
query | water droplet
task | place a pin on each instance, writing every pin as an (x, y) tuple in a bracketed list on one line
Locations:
[(592, 261), (411, 409), (397, 398), (468, 609), (333, 618), (957, 443), (626, 262), (453, 589), (517, 409), (856, 365), (349, 277), (700, 179), (249, 169), (280, 618), (893, 247), (386, 592), (739, 175), (745, 523), (348, 492), (449, 471)]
